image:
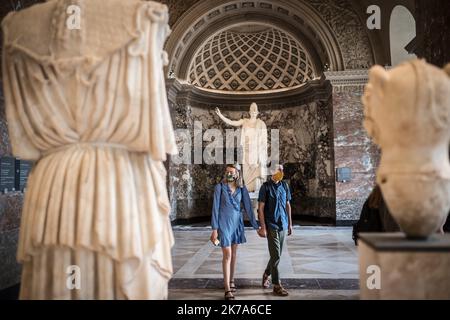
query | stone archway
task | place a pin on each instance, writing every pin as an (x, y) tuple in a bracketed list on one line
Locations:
[(332, 31), (206, 18)]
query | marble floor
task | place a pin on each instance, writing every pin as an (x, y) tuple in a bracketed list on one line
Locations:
[(317, 263)]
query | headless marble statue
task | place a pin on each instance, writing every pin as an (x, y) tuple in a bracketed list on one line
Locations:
[(407, 113), (89, 106)]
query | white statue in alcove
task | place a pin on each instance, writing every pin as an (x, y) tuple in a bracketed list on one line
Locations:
[(253, 141)]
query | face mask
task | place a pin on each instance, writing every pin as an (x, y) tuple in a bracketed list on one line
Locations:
[(278, 176), (230, 177)]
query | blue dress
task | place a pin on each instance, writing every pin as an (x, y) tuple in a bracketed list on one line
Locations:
[(227, 217)]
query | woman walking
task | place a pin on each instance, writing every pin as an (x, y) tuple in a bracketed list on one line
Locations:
[(228, 224)]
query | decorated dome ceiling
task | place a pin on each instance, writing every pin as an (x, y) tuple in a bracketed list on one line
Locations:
[(251, 58)]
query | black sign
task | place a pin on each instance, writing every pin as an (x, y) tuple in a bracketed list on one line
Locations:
[(23, 170), (7, 174)]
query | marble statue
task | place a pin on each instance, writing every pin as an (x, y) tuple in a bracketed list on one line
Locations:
[(89, 105), (253, 143), (407, 113)]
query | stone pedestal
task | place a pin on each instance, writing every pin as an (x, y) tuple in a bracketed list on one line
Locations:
[(393, 267)]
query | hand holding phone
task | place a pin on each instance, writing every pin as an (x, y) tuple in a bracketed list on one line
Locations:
[(214, 239)]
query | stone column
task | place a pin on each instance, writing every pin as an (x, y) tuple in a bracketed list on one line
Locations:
[(352, 147), (179, 175)]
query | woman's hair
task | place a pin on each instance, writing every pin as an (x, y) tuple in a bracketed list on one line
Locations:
[(239, 181), (375, 198)]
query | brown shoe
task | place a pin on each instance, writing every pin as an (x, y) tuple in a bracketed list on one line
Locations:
[(265, 281), (278, 290)]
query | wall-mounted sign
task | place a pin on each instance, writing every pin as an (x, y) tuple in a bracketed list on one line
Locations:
[(24, 168), (343, 174), (13, 174), (7, 174)]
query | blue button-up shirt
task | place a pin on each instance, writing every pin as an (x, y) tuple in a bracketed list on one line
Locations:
[(275, 196)]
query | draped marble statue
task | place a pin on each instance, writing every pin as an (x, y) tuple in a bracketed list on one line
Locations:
[(253, 144), (89, 105)]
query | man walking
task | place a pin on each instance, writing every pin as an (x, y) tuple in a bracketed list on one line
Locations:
[(274, 211)]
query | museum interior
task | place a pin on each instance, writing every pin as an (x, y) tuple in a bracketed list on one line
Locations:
[(201, 64)]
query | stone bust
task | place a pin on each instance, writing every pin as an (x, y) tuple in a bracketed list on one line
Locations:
[(407, 113)]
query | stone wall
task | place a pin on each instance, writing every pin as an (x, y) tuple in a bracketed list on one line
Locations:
[(10, 209), (306, 150), (350, 31), (352, 147), (433, 31)]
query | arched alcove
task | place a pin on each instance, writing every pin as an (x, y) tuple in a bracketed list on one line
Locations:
[(303, 118)]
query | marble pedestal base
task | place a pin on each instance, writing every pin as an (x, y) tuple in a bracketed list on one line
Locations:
[(393, 267)]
